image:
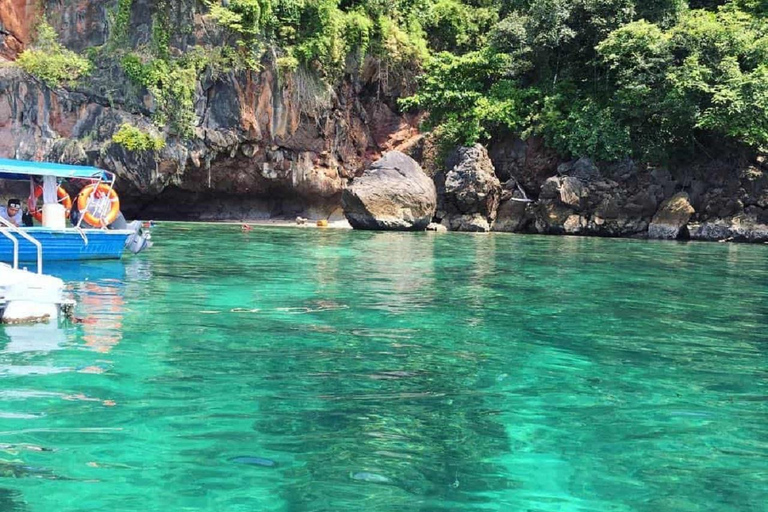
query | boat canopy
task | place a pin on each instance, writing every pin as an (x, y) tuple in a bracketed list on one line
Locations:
[(22, 170)]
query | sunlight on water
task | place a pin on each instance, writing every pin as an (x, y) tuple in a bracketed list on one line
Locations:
[(310, 370)]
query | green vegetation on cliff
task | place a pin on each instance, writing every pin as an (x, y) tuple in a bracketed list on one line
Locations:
[(133, 138), (657, 80), (324, 34), (49, 61), (609, 78)]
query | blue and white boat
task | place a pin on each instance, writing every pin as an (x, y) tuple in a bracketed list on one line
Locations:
[(61, 243)]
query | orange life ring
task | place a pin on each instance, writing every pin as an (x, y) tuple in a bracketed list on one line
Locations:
[(61, 195), (98, 219)]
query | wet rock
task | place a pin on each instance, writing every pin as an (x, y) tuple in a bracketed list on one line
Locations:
[(672, 217), (392, 194), (439, 228), (735, 229), (470, 192)]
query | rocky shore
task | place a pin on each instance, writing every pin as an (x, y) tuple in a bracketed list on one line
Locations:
[(580, 198)]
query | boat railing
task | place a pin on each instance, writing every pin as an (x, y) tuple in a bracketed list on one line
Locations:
[(15, 243), (15, 230)]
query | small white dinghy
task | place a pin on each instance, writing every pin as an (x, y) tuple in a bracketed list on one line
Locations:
[(29, 297)]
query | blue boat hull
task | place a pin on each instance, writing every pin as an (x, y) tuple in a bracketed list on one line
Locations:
[(67, 245)]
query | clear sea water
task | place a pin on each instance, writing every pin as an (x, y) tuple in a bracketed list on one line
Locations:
[(315, 370)]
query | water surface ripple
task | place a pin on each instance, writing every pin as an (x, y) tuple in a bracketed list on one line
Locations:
[(299, 370)]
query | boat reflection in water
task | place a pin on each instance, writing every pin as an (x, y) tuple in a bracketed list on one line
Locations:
[(101, 306), (42, 337), (99, 289)]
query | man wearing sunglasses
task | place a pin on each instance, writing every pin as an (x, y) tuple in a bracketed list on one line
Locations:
[(12, 212)]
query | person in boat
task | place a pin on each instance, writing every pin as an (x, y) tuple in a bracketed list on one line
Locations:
[(12, 212)]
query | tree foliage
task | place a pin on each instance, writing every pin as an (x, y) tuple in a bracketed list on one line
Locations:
[(654, 79), (324, 34), (609, 78)]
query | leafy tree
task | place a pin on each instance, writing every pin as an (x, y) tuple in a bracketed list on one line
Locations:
[(595, 83)]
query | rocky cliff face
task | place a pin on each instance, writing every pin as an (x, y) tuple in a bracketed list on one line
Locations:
[(16, 19), (264, 143), (715, 199)]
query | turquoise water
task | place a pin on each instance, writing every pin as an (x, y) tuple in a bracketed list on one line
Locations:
[(317, 370)]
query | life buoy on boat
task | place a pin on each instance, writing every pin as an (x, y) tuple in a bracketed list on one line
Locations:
[(98, 218), (61, 195)]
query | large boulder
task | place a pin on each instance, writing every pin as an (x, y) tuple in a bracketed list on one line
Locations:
[(471, 192), (392, 194), (671, 218)]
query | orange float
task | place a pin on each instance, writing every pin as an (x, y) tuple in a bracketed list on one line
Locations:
[(61, 195), (98, 219)]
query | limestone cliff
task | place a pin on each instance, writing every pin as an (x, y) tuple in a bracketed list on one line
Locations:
[(263, 142)]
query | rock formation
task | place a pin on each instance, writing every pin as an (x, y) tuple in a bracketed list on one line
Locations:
[(710, 202), (671, 220), (392, 194), (469, 193), (264, 143)]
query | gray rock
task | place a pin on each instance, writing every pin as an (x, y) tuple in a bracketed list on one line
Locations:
[(736, 229), (583, 169), (512, 214), (475, 223), (550, 189), (438, 228), (673, 215), (575, 224), (392, 194), (471, 192), (572, 191), (511, 217)]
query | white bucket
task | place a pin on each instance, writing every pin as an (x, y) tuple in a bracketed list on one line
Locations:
[(54, 216)]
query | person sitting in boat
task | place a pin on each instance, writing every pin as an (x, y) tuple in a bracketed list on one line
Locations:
[(12, 212)]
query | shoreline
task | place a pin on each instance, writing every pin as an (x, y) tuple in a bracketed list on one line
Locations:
[(344, 225), (280, 223)]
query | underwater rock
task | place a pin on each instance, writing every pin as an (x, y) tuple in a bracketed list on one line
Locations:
[(373, 478), (254, 461)]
